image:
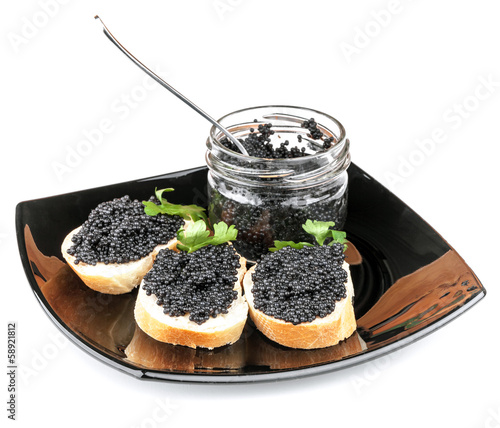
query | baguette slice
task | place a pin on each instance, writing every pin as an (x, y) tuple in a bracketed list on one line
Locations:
[(223, 330), (112, 278), (320, 333)]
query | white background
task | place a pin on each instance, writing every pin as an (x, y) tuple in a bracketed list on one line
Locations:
[(391, 71)]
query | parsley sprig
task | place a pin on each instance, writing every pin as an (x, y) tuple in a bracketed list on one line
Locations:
[(321, 230), (187, 212), (197, 235)]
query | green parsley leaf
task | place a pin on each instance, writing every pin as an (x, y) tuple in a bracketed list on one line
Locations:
[(278, 245), (320, 230), (197, 235), (223, 233), (194, 237), (187, 212)]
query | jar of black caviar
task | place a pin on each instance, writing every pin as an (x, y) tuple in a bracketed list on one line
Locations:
[(296, 169)]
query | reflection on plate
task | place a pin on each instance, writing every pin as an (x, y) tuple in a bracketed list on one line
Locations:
[(408, 282)]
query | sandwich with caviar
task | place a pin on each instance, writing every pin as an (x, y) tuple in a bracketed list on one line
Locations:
[(192, 296), (300, 295), (117, 244)]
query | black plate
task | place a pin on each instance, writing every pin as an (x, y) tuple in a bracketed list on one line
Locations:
[(408, 283)]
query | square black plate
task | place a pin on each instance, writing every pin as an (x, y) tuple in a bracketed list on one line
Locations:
[(408, 283)]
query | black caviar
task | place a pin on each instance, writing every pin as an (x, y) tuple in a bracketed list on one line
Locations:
[(119, 231), (200, 284), (258, 143), (316, 134), (299, 285)]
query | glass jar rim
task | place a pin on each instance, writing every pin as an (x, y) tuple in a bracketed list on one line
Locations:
[(339, 140)]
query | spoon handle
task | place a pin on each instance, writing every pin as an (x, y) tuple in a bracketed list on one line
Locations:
[(171, 89)]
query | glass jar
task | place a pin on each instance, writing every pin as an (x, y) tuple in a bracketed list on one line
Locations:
[(270, 199)]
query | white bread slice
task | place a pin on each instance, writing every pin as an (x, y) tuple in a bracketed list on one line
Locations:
[(112, 278), (225, 329), (320, 333)]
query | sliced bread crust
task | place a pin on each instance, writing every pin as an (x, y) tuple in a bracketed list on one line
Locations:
[(112, 278)]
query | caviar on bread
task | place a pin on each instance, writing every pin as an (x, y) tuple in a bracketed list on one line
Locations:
[(116, 246), (193, 296), (300, 295)]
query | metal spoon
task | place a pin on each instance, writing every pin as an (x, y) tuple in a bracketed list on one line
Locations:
[(171, 89)]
